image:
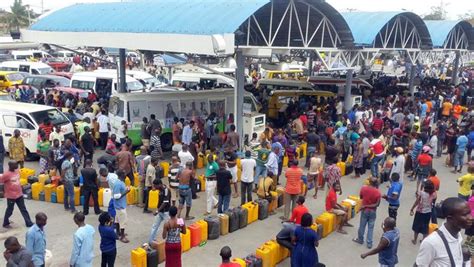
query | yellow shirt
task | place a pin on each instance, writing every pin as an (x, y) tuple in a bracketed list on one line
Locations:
[(264, 183), (16, 149), (465, 183)]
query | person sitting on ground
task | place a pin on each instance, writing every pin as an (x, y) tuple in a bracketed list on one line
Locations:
[(264, 186), (335, 208), (388, 246), (298, 211), (15, 254), (226, 254)]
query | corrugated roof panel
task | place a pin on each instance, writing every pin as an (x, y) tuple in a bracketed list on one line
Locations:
[(201, 17)]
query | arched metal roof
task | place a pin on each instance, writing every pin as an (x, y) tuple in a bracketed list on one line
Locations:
[(182, 26), (367, 26), (295, 24), (451, 34), (162, 16)]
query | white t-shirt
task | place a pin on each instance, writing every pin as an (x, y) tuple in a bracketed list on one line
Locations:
[(103, 123), (185, 157), (54, 135), (433, 253), (248, 166)]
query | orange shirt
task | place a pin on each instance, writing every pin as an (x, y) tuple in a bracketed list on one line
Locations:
[(430, 106), (457, 110), (435, 181), (447, 106), (293, 180)]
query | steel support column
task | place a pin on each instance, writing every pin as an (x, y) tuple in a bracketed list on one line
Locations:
[(122, 86), (347, 91), (411, 80), (455, 76), (239, 93)]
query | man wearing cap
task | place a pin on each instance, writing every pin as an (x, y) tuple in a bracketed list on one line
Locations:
[(398, 164)]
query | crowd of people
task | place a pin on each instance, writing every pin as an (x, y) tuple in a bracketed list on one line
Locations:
[(386, 140)]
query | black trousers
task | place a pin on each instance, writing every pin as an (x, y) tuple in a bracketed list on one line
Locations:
[(245, 192), (20, 202), (145, 197), (103, 139), (87, 192), (108, 258), (393, 211)]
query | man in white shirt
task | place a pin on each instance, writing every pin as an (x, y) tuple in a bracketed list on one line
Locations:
[(248, 172), (399, 164), (272, 163), (104, 128), (185, 156), (187, 133), (56, 134), (433, 251)]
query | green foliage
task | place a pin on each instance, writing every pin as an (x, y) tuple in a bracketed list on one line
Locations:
[(437, 13)]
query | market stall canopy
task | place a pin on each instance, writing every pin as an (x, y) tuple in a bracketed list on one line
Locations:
[(182, 26)]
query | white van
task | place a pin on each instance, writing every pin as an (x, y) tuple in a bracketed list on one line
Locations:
[(37, 68), (201, 80), (29, 54), (102, 83), (167, 103), (144, 77), (27, 118)]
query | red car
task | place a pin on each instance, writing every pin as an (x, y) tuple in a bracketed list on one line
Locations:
[(59, 65)]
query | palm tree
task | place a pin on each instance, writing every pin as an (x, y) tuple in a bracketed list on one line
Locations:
[(18, 16)]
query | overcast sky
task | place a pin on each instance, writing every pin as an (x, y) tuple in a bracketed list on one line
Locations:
[(454, 7)]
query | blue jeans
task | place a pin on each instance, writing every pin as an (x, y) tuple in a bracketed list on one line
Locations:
[(260, 171), (374, 165), (459, 158), (69, 195), (159, 218), (223, 205), (367, 217), (185, 196)]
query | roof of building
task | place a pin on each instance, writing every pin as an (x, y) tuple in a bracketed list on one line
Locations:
[(366, 25), (204, 17), (440, 29)]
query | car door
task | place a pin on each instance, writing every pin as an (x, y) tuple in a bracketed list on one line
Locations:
[(20, 121)]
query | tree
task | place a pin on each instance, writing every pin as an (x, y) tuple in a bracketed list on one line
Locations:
[(19, 16), (437, 13)]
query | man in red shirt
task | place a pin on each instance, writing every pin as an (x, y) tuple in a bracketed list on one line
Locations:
[(377, 125), (370, 196), (424, 163), (298, 211), (226, 254), (293, 187), (379, 152), (336, 209), (14, 194)]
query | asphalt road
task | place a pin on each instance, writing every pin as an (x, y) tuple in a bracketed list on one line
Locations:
[(334, 250)]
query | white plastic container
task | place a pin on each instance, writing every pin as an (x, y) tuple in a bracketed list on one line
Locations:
[(107, 196)]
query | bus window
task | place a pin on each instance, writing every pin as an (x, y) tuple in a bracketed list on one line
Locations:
[(24, 68), (82, 85)]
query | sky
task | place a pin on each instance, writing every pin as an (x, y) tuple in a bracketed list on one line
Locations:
[(454, 8)]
